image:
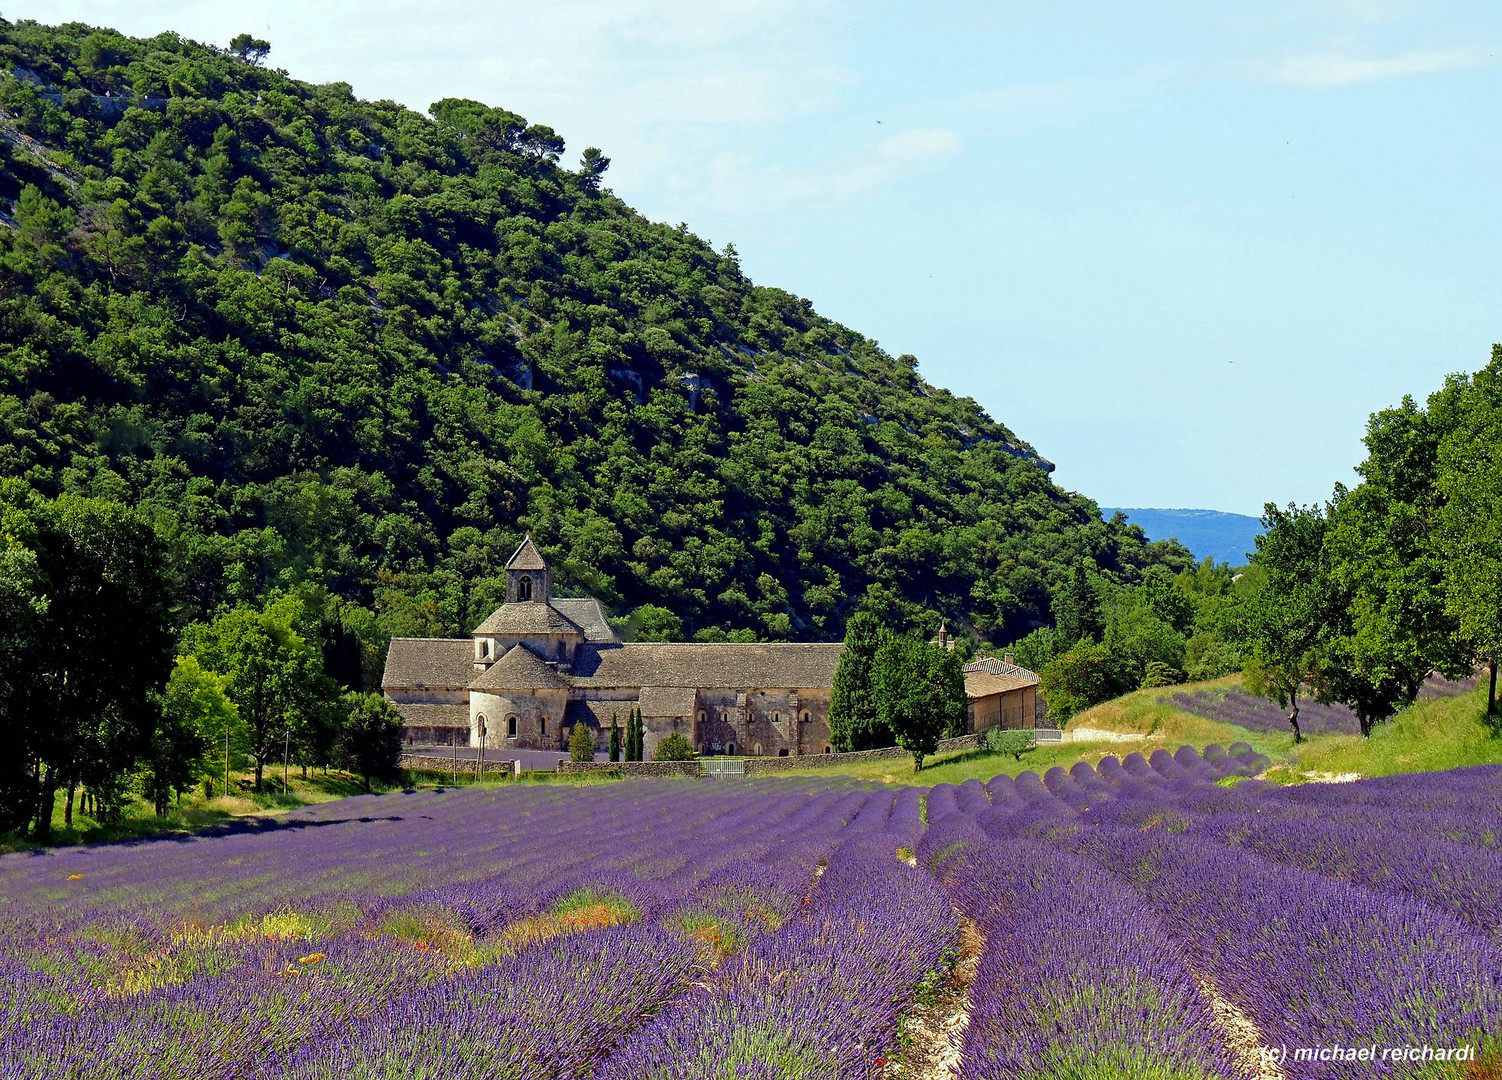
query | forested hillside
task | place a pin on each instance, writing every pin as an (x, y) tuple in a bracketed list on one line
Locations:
[(339, 347)]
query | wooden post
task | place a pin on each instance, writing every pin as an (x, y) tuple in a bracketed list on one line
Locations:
[(480, 769), (226, 760), (286, 759), (454, 742)]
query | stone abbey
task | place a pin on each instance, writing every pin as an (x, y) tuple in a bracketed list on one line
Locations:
[(541, 665)]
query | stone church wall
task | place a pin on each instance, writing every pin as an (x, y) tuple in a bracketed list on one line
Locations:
[(533, 711)]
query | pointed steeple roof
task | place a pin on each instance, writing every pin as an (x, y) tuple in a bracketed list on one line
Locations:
[(527, 557)]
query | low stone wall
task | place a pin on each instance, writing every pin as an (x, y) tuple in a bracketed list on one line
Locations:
[(962, 742), (466, 766), (757, 766), (633, 768)]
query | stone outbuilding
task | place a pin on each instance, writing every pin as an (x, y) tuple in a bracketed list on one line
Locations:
[(1000, 694)]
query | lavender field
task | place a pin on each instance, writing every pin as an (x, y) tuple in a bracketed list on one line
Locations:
[(1140, 919), (1260, 714)]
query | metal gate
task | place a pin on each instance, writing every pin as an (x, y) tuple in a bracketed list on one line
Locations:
[(722, 767)]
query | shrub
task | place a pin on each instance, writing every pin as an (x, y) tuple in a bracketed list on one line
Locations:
[(675, 748), (581, 744), (1014, 741)]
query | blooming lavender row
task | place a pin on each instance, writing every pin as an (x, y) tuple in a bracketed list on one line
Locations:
[(227, 955), (821, 997), (1075, 979), (1314, 962), (549, 1012)]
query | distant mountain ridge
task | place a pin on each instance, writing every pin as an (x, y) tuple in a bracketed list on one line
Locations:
[(1215, 534)]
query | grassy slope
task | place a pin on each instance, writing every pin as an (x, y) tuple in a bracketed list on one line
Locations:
[(1441, 734), (1438, 734)]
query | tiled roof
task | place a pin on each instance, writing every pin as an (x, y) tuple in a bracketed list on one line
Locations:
[(519, 669), (429, 663), (597, 714), (528, 617), (979, 684), (992, 666), (779, 666), (585, 611), (527, 557), (454, 716), (660, 701)]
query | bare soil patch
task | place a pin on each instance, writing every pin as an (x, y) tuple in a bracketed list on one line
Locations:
[(934, 1029), (1240, 1033)]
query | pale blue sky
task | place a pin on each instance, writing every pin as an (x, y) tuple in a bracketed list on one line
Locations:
[(1183, 249)]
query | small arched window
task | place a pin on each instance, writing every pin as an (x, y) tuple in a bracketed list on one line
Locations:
[(701, 716), (544, 722), (524, 587), (757, 749), (805, 716), (826, 748), (730, 749), (776, 718), (510, 727), (725, 718)]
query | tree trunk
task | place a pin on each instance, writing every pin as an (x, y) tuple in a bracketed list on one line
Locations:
[(1491, 693), (1293, 722), (259, 766), (68, 806), (46, 800), (1366, 724)]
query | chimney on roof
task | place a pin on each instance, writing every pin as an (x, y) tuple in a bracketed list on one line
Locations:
[(1010, 658)]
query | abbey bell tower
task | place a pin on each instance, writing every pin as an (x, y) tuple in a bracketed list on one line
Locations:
[(527, 576)]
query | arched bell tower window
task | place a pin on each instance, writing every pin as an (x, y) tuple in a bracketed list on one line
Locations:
[(524, 587)]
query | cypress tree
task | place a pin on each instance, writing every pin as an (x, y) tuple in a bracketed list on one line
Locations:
[(615, 738), (853, 714)]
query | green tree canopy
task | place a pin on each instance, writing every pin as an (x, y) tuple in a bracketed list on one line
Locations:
[(370, 742), (273, 677), (920, 693), (674, 748), (581, 744), (92, 646), (1470, 519), (198, 725), (854, 717)]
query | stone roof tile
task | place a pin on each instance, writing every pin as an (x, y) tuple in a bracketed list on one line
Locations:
[(668, 701), (589, 616), (529, 617), (719, 665), (519, 669), (428, 663), (527, 557), (417, 715)]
